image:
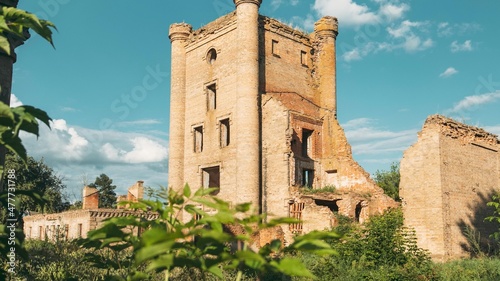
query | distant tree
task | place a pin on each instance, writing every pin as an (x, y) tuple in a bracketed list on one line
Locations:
[(107, 195), (37, 176), (389, 181)]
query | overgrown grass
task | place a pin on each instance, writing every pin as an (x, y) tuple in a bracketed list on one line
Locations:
[(325, 189)]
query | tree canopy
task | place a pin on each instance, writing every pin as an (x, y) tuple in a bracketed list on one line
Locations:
[(389, 181), (107, 195), (37, 176)]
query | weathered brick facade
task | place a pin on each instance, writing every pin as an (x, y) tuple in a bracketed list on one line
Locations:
[(447, 178), (253, 112), (76, 223)]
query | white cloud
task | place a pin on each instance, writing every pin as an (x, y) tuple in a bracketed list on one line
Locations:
[(141, 122), (409, 40), (14, 101), (68, 109), (457, 47), (393, 12), (473, 101), (348, 12), (448, 72), (445, 29), (145, 151), (366, 138)]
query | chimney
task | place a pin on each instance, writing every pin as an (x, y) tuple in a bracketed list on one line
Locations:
[(90, 198), (136, 192)]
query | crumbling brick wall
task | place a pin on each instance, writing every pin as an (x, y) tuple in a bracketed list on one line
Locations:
[(447, 178)]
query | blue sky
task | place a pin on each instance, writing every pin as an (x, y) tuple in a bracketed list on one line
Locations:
[(106, 85)]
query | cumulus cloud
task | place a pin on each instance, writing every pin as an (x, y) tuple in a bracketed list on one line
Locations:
[(350, 13), (347, 11), (464, 47), (471, 102), (448, 72), (409, 40)]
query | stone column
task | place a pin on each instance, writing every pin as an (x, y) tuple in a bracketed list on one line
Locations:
[(248, 103), (325, 34), (179, 34), (326, 30)]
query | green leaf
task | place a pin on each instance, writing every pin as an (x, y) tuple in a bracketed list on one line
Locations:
[(187, 191), (293, 267)]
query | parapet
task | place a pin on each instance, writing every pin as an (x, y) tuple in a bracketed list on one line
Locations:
[(327, 27), (180, 31), (465, 133)]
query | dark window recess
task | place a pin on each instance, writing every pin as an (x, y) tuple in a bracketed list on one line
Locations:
[(332, 205), (211, 97), (357, 211), (211, 56), (307, 143), (307, 178), (225, 132), (198, 139), (211, 178)]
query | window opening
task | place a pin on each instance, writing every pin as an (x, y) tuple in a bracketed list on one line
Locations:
[(359, 208), (274, 48), (198, 139), (307, 178), (79, 230), (225, 132), (307, 143), (211, 97), (211, 178), (303, 58), (295, 211), (211, 56)]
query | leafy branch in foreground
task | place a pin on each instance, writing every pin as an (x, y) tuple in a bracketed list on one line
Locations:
[(204, 242), (14, 21), (15, 120)]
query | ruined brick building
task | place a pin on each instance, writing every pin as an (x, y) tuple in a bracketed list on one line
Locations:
[(253, 112), (76, 223), (447, 178)]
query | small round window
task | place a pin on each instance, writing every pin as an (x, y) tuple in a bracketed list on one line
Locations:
[(211, 56)]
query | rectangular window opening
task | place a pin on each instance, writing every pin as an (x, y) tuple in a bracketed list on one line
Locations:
[(274, 48), (225, 132), (79, 230), (307, 143), (211, 178), (211, 97), (303, 58), (198, 139), (307, 178)]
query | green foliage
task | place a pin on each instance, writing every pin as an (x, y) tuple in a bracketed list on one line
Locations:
[(495, 203), (39, 177), (326, 189), (382, 249), (484, 269), (15, 120), (13, 22), (66, 261), (389, 181), (107, 195), (202, 240)]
